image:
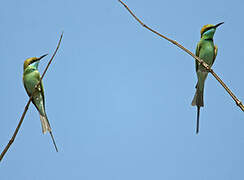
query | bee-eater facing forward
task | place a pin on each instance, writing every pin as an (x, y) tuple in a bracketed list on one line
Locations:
[(207, 51), (31, 77)]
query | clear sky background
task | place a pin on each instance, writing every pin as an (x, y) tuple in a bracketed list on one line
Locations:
[(117, 96)]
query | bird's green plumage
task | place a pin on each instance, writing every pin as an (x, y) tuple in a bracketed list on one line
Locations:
[(207, 51), (31, 78)]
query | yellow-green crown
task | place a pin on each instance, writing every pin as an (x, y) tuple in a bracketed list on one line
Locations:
[(206, 27), (29, 61)]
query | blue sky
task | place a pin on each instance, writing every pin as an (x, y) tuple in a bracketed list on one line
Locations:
[(117, 96)]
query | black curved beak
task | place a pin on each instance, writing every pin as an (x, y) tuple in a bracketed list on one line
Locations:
[(217, 25), (42, 57)]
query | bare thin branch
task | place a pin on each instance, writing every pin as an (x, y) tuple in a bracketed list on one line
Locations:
[(238, 102), (28, 103)]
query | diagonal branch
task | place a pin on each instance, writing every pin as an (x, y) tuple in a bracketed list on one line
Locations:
[(28, 103), (238, 102)]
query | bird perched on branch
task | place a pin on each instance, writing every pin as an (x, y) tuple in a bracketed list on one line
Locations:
[(31, 78), (207, 51)]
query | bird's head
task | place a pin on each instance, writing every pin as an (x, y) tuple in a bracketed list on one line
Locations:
[(34, 61), (207, 31)]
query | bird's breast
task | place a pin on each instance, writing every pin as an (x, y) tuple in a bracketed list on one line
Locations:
[(30, 81), (207, 53)]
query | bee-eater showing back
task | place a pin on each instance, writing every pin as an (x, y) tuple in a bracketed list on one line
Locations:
[(207, 51), (31, 77)]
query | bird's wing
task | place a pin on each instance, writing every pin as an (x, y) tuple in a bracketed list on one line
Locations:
[(37, 78), (41, 88), (215, 52), (197, 54)]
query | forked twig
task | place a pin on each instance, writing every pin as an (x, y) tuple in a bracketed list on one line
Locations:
[(238, 102), (28, 103)]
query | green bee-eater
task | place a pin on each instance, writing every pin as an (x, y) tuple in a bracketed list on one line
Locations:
[(207, 51), (31, 77)]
